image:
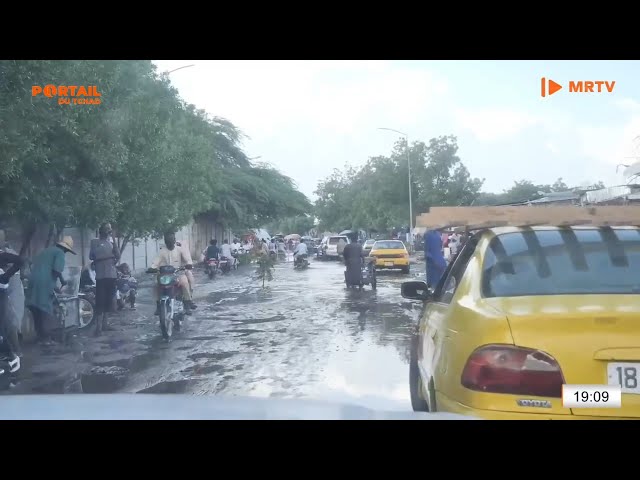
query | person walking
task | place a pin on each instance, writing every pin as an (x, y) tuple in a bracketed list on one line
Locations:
[(436, 264), (105, 255)]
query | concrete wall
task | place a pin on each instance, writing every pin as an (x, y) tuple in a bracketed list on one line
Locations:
[(138, 253)]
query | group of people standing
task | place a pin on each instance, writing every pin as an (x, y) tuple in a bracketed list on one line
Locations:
[(47, 273), (47, 270)]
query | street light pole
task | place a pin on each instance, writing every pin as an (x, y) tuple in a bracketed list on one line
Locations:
[(179, 68), (409, 180)]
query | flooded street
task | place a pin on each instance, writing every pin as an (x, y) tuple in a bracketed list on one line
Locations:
[(303, 336)]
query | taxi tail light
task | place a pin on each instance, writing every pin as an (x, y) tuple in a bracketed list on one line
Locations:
[(513, 370)]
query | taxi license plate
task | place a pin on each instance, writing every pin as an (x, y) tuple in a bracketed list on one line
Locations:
[(388, 264), (626, 375)]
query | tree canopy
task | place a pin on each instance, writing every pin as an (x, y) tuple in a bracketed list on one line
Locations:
[(300, 224), (524, 191), (142, 159), (375, 197)]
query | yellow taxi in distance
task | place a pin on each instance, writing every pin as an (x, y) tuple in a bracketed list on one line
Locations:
[(390, 254), (522, 311)]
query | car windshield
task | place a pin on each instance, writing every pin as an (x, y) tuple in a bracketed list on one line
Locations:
[(563, 262), (388, 245), (335, 240)]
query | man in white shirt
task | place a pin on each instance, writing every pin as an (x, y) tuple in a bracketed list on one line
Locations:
[(263, 247), (236, 245), (225, 251), (300, 251), (176, 256)]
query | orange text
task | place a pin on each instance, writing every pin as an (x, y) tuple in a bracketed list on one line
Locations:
[(69, 94), (65, 91), (597, 86)]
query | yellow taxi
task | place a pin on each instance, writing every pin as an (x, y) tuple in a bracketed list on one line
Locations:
[(390, 254), (522, 311)]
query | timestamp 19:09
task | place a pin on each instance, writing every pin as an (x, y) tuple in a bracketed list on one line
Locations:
[(591, 396)]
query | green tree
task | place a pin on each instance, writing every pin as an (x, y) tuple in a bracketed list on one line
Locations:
[(142, 159), (375, 196), (300, 224)]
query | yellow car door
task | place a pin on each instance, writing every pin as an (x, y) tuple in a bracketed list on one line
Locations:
[(435, 332)]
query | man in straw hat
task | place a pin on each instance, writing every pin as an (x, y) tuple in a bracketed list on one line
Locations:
[(46, 268)]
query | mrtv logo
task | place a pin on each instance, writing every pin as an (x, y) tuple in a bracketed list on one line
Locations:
[(69, 94), (548, 87)]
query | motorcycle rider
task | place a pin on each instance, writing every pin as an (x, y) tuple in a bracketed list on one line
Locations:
[(225, 252), (353, 255), (263, 249), (273, 247), (236, 246), (175, 256), (124, 274), (212, 250), (301, 251)]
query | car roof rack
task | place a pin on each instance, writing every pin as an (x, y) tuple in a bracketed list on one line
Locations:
[(476, 218)]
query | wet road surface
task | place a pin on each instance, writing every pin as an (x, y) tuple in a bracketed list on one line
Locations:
[(303, 336)]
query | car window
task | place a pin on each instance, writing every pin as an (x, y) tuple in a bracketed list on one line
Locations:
[(563, 262), (455, 271), (389, 245)]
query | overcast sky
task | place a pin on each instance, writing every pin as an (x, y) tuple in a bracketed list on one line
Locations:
[(308, 117)]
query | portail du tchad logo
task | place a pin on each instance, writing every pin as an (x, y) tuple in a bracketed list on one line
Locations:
[(69, 94)]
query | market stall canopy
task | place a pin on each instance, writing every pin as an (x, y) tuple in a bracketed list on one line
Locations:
[(292, 236)]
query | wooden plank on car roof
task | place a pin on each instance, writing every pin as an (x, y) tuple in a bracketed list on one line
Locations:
[(565, 215)]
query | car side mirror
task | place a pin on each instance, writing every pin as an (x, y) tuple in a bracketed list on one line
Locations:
[(416, 290)]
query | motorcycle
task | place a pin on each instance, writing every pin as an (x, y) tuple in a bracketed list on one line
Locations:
[(171, 302), (236, 256), (211, 268), (224, 264), (367, 275), (126, 287), (301, 261)]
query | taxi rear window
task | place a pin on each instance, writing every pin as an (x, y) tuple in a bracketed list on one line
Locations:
[(389, 245), (563, 262)]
